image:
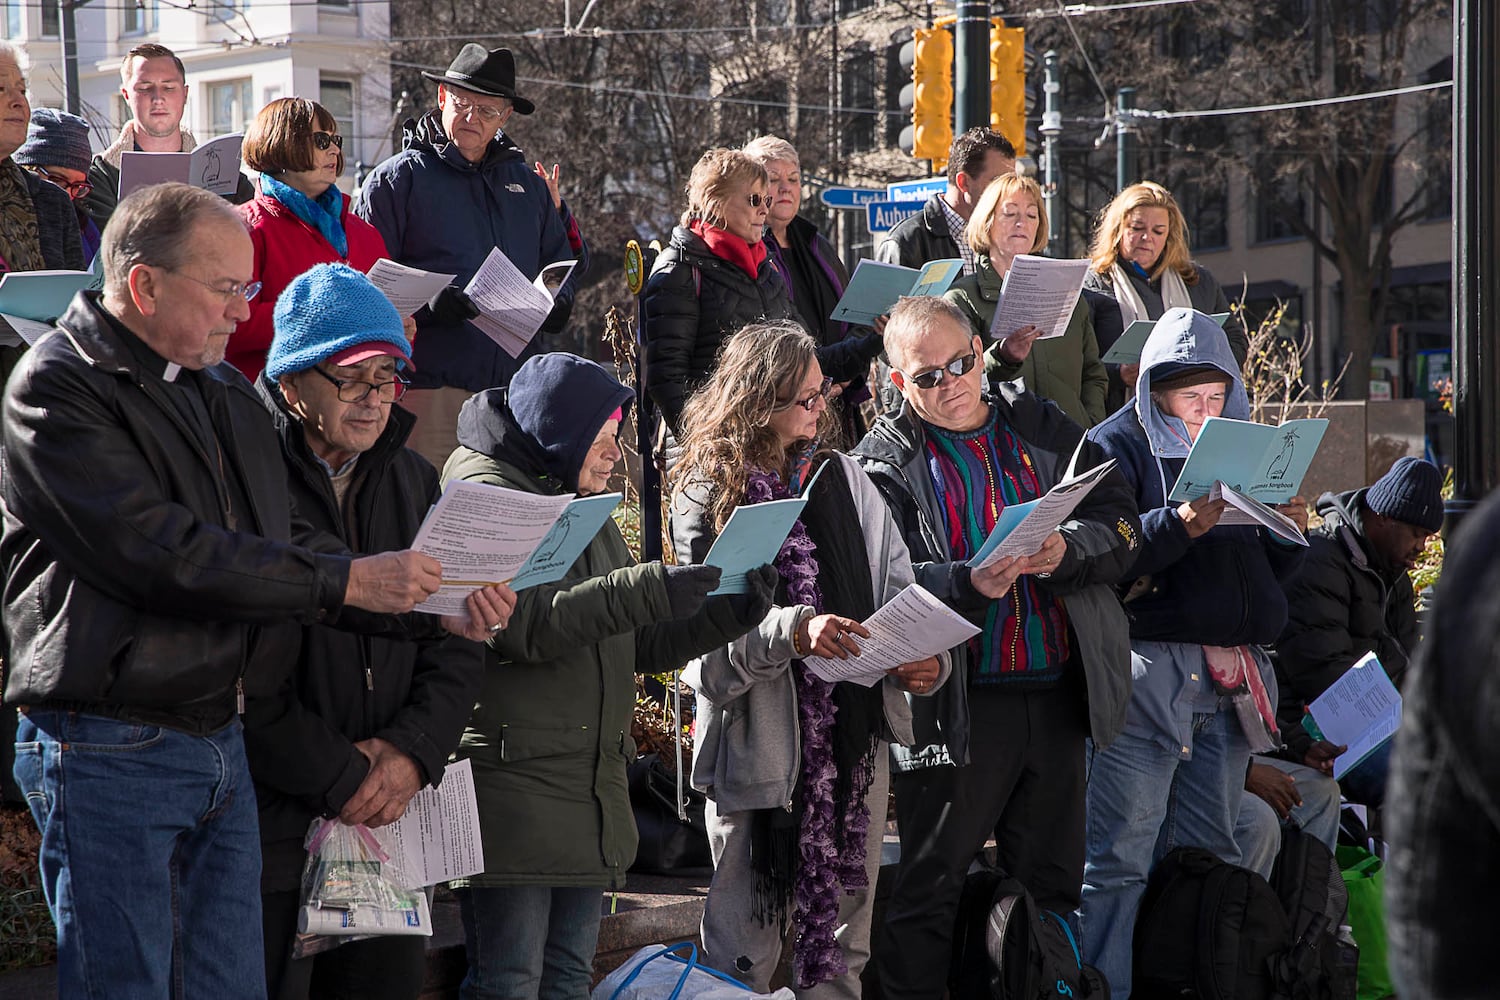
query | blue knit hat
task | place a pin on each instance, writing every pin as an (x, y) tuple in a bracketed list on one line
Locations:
[(333, 311), (55, 139), (1412, 492)]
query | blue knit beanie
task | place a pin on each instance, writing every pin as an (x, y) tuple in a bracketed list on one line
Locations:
[(327, 311), (1412, 492), (55, 139)]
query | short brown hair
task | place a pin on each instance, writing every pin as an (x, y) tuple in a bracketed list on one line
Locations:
[(151, 50), (969, 149), (977, 232), (280, 138), (718, 175)]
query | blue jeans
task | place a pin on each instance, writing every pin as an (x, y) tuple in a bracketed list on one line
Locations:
[(1143, 801), (529, 942), (1257, 829), (150, 856)]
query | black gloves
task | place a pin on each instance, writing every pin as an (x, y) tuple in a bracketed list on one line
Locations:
[(452, 305), (688, 587), (750, 607)]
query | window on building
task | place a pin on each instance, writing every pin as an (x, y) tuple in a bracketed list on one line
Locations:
[(230, 106), (854, 6), (764, 111), (13, 10), (338, 97), (1437, 125), (858, 93), (1277, 200), (138, 17), (51, 20)]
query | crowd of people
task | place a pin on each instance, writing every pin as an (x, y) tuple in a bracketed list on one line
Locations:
[(215, 468)]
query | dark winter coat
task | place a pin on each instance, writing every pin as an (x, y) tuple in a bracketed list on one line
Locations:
[(695, 301), (1101, 536), (1206, 295), (923, 237), (439, 212), (303, 719)]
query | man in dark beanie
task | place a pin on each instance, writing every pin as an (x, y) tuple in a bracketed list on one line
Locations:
[(1353, 596), (57, 150)]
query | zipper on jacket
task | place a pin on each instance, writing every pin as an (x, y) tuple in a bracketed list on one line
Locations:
[(239, 695), (369, 678)]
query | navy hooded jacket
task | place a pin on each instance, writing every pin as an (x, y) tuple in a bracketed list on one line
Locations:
[(439, 212), (1223, 588)]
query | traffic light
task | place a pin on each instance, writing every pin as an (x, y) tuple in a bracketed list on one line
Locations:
[(1008, 82), (929, 97)]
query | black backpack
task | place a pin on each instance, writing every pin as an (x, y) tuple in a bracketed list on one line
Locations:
[(1208, 930), (1310, 887), (1007, 948)]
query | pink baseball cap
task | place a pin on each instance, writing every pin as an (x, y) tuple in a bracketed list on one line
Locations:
[(371, 349)]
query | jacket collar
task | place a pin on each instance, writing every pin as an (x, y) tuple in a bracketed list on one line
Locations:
[(426, 135), (126, 142)]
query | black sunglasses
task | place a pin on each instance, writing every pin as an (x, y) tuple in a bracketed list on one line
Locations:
[(322, 140), (957, 367), (756, 200)]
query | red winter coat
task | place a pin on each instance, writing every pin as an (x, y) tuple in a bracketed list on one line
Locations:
[(285, 247)]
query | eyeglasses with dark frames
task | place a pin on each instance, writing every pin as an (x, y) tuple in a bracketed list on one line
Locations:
[(355, 390), (958, 367), (75, 189), (757, 200), (825, 392), (246, 290), (322, 140)]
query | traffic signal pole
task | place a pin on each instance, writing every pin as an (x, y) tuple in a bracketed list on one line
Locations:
[(1051, 170), (971, 70)]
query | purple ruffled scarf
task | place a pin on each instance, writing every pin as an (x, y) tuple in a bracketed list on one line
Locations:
[(831, 836)]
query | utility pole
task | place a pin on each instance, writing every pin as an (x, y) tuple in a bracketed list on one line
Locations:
[(1051, 170), (68, 33), (971, 67), (1476, 254), (1127, 166)]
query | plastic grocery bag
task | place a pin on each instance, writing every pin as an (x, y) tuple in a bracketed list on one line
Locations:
[(658, 972), (352, 886)]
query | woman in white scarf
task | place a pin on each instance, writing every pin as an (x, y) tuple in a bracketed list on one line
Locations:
[(1141, 259)]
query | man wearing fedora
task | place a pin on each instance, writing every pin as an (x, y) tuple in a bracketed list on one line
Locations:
[(460, 187)]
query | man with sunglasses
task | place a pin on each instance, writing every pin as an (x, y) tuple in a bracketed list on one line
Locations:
[(999, 750), (460, 188), (354, 725), (153, 84)]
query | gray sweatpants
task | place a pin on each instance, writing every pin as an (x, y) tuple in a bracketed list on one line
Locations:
[(734, 940)]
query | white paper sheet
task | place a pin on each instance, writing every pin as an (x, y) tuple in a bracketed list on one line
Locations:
[(1040, 292), (912, 626), (511, 308), (1041, 519), (438, 837), (1362, 709), (482, 535), (1248, 510), (408, 288)]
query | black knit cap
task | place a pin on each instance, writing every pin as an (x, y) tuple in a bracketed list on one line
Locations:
[(1412, 492)]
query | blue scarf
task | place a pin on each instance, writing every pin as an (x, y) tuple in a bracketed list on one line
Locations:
[(325, 215)]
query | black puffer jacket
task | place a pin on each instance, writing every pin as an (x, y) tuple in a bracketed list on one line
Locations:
[(1341, 605), (135, 586), (695, 301), (303, 719)]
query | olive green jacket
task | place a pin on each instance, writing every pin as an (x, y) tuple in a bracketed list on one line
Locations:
[(1065, 369), (549, 739)]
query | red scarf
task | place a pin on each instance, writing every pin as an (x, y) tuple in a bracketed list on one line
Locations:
[(727, 246)]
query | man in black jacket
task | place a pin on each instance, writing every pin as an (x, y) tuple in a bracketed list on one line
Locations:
[(356, 725), (977, 157), (148, 544), (1353, 596)]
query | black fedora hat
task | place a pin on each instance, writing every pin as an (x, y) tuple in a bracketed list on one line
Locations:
[(492, 73)]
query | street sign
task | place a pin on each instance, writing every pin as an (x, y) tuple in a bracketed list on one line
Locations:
[(916, 190), (850, 198), (883, 216)]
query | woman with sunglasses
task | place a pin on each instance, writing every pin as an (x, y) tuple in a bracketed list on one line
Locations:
[(1010, 220), (795, 768), (713, 278), (298, 217)]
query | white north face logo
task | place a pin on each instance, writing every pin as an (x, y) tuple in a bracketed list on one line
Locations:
[(516, 188)]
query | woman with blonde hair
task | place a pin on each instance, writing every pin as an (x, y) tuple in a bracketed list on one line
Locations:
[(1011, 219), (791, 764), (1141, 260), (713, 278)]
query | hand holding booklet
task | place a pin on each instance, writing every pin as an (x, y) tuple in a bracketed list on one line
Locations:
[(912, 626), (486, 535), (753, 536), (1255, 460), (1360, 710), (512, 309), (1022, 528), (876, 286), (1040, 292)]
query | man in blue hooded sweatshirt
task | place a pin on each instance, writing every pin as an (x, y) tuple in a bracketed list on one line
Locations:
[(1203, 601)]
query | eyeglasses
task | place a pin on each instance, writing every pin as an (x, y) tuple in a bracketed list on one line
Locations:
[(485, 112), (756, 200), (825, 392), (322, 140), (958, 367), (75, 189), (355, 390), (246, 290)]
